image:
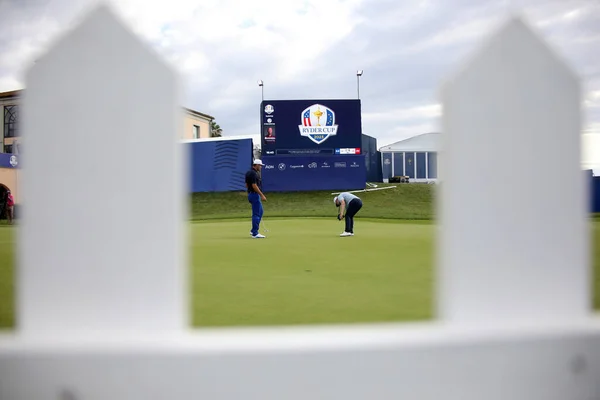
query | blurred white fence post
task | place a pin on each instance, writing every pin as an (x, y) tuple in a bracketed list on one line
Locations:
[(102, 298), (101, 247), (514, 243)]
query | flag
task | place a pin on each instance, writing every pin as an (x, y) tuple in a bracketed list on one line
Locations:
[(329, 118), (306, 117)]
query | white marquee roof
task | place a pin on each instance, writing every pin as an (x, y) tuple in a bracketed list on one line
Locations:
[(424, 142)]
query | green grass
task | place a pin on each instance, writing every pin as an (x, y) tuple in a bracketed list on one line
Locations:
[(304, 273), (7, 276), (596, 263), (413, 202)]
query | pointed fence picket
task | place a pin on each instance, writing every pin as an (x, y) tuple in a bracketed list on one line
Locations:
[(522, 252), (102, 295)]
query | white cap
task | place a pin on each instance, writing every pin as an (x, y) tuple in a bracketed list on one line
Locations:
[(335, 200), (258, 162)]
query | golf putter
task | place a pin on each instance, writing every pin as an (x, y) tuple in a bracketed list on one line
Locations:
[(262, 222)]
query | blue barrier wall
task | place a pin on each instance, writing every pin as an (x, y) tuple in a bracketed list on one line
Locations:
[(372, 159), (219, 166), (288, 174), (595, 194)]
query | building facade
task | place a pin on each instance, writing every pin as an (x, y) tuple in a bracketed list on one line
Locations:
[(195, 125), (9, 114), (415, 158)]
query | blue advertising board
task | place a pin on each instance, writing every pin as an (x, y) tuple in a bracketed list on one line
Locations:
[(372, 159), (312, 145), (219, 166), (288, 174), (311, 127)]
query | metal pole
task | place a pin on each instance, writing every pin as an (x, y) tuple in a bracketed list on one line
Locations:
[(358, 86), (262, 90), (260, 133)]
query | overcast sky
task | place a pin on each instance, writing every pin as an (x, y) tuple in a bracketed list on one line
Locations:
[(309, 49)]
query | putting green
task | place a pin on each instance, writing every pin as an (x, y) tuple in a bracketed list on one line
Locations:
[(303, 273)]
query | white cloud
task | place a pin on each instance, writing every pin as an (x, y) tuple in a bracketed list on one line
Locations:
[(303, 49), (573, 14), (459, 33), (10, 82), (592, 128), (590, 149), (428, 112), (292, 34), (404, 132), (594, 95)]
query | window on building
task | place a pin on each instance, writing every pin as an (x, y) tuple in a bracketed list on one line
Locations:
[(10, 121), (8, 148), (196, 132)]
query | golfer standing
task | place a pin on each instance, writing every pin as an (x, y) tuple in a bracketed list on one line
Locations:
[(255, 196), (349, 205)]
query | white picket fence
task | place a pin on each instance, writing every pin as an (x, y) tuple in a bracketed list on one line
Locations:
[(102, 292)]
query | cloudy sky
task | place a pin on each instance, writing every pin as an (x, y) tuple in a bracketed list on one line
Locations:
[(309, 49)]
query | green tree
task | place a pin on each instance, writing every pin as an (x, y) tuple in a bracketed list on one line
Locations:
[(215, 130)]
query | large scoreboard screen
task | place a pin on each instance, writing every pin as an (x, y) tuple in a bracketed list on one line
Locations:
[(311, 127)]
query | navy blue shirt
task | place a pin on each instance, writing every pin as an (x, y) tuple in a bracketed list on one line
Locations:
[(252, 177)]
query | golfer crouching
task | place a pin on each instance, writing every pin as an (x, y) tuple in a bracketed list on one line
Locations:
[(349, 205)]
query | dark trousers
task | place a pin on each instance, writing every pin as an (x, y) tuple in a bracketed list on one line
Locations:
[(257, 211), (353, 207)]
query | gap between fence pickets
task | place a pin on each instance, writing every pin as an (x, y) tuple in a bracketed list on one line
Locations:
[(299, 339), (366, 190)]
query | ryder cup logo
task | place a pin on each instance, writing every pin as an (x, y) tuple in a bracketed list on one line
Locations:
[(281, 166), (13, 161), (318, 123)]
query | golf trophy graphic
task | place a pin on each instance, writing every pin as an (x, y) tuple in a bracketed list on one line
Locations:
[(318, 114)]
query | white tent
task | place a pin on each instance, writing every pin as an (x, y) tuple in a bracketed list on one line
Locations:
[(415, 157), (590, 152), (427, 142)]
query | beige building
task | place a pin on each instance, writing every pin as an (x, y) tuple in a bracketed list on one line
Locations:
[(196, 125), (9, 107)]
